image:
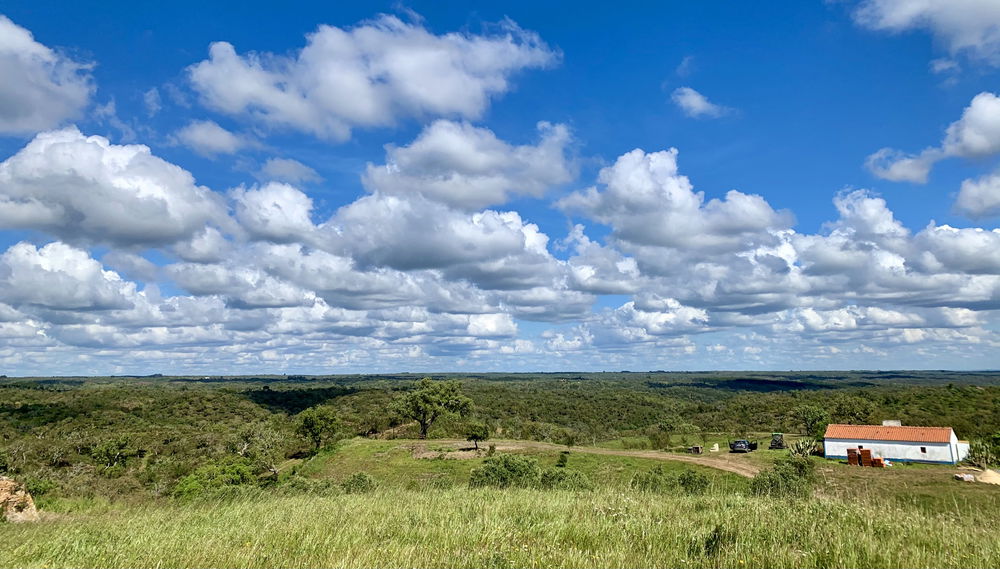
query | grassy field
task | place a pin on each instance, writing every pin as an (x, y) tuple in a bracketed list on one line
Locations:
[(423, 514), (491, 528), (392, 463), (927, 488), (107, 461)]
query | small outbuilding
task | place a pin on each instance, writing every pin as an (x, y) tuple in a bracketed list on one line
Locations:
[(895, 442)]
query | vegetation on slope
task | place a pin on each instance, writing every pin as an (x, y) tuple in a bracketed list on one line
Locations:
[(504, 528)]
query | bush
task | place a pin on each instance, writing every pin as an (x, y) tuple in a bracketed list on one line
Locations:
[(358, 483), (38, 486), (215, 476), (693, 482), (653, 480), (115, 452), (789, 477), (563, 459), (506, 471), (803, 467), (565, 479)]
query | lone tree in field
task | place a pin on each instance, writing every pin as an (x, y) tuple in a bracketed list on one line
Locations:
[(318, 424), (431, 400), (477, 433), (813, 419)]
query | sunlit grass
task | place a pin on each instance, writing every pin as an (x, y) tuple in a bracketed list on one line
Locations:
[(490, 528)]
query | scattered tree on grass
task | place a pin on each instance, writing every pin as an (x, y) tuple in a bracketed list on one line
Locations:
[(477, 433), (814, 419), (319, 425), (432, 400)]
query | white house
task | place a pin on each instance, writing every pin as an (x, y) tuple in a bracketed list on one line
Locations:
[(913, 444)]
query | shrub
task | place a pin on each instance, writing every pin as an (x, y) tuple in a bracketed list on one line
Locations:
[(631, 443), (358, 483), (215, 476), (505, 471), (563, 459), (565, 479), (803, 467), (789, 477), (38, 486), (114, 453), (693, 482), (653, 480)]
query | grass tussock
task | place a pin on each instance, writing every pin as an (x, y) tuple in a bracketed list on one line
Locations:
[(501, 528)]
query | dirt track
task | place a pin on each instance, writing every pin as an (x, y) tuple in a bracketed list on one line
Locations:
[(736, 464)]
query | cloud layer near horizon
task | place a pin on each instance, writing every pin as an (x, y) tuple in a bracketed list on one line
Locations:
[(124, 262), (406, 274)]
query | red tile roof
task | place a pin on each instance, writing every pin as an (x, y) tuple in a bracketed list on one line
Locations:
[(885, 433)]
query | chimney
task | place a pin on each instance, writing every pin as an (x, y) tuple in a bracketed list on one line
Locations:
[(892, 423)]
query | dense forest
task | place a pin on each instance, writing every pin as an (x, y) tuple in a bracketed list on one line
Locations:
[(122, 437)]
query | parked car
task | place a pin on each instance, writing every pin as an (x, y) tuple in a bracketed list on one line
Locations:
[(742, 445)]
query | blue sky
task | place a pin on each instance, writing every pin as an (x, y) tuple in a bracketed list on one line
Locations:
[(376, 187)]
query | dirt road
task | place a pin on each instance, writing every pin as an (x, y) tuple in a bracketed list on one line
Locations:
[(736, 464)]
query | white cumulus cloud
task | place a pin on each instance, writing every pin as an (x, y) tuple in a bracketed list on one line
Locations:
[(368, 75), (40, 88), (980, 198), (60, 277), (975, 135), (78, 187), (470, 168), (971, 27)]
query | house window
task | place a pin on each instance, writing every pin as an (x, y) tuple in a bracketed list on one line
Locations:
[(923, 450)]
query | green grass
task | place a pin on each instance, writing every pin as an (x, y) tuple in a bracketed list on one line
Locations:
[(927, 488), (489, 528), (392, 464), (423, 514)]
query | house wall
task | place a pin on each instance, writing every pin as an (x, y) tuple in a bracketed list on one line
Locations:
[(894, 450), (963, 450)]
